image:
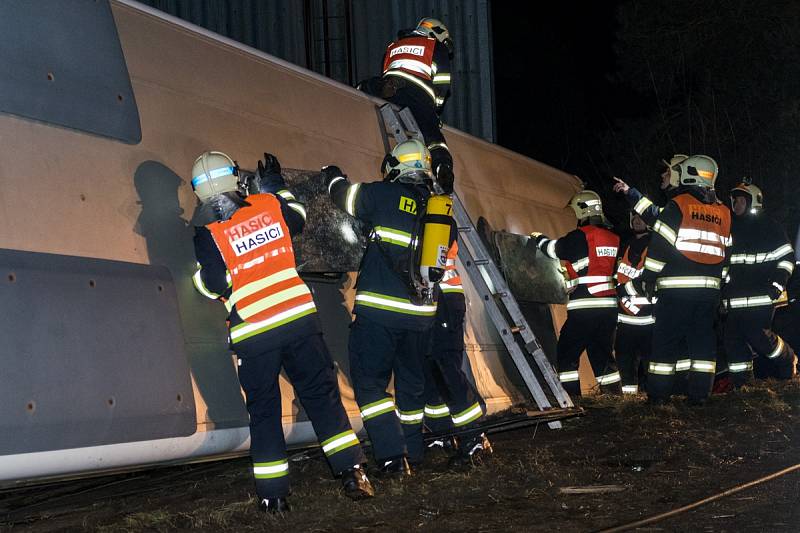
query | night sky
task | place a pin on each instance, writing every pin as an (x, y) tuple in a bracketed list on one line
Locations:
[(609, 88)]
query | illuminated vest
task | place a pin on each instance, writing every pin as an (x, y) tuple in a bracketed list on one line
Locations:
[(603, 245), (705, 230), (632, 303), (413, 55), (626, 271), (257, 249), (411, 58)]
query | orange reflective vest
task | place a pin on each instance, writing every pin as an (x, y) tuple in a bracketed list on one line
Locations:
[(630, 301), (257, 249), (451, 281), (705, 230), (602, 245)]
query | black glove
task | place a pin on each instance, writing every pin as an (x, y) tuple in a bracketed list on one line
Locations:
[(271, 164), (646, 286), (445, 177), (268, 178), (330, 173)]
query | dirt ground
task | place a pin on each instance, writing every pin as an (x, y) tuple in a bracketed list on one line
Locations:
[(656, 459)]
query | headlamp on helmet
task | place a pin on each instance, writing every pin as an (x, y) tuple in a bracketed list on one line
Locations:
[(753, 194)]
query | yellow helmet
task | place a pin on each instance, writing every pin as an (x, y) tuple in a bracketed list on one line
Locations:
[(698, 170), (214, 173), (586, 204), (674, 177), (752, 192), (409, 162)]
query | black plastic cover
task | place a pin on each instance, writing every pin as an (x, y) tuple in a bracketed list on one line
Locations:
[(92, 353), (62, 63)]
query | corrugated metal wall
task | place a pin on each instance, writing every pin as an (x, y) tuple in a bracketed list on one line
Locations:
[(289, 29)]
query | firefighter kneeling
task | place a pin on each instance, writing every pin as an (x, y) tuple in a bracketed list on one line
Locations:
[(246, 259)]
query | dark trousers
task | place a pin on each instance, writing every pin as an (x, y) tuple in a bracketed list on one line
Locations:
[(450, 398), (591, 330), (682, 325), (377, 352), (310, 368), (632, 346), (419, 102), (748, 333)]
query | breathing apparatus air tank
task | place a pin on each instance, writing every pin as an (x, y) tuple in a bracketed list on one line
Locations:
[(437, 225)]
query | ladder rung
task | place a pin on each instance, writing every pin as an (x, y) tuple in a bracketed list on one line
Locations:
[(464, 229), (481, 261)]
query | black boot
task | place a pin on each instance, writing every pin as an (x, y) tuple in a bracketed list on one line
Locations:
[(396, 466), (274, 506), (355, 484), (447, 444), (473, 451)]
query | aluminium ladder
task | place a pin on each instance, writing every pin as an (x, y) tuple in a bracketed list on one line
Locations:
[(500, 304)]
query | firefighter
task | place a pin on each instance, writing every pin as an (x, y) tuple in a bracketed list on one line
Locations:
[(761, 262), (589, 253), (451, 400), (684, 263), (244, 249), (649, 211), (635, 316), (642, 205), (392, 325), (416, 75)]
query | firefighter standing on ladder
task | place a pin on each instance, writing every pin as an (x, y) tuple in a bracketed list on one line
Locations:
[(684, 263), (416, 75), (590, 253), (246, 260), (761, 262)]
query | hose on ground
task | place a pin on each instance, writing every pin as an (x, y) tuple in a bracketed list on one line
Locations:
[(698, 503)]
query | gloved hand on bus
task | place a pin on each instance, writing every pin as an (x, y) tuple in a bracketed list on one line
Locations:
[(268, 178), (445, 177), (331, 174)]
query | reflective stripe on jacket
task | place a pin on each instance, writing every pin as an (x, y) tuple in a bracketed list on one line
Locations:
[(257, 249), (451, 281)]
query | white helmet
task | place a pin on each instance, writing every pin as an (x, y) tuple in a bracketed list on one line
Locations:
[(674, 177), (753, 193), (214, 173), (409, 162), (435, 28), (698, 170), (586, 204)]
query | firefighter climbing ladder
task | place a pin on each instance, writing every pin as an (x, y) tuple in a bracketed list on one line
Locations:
[(500, 304)]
